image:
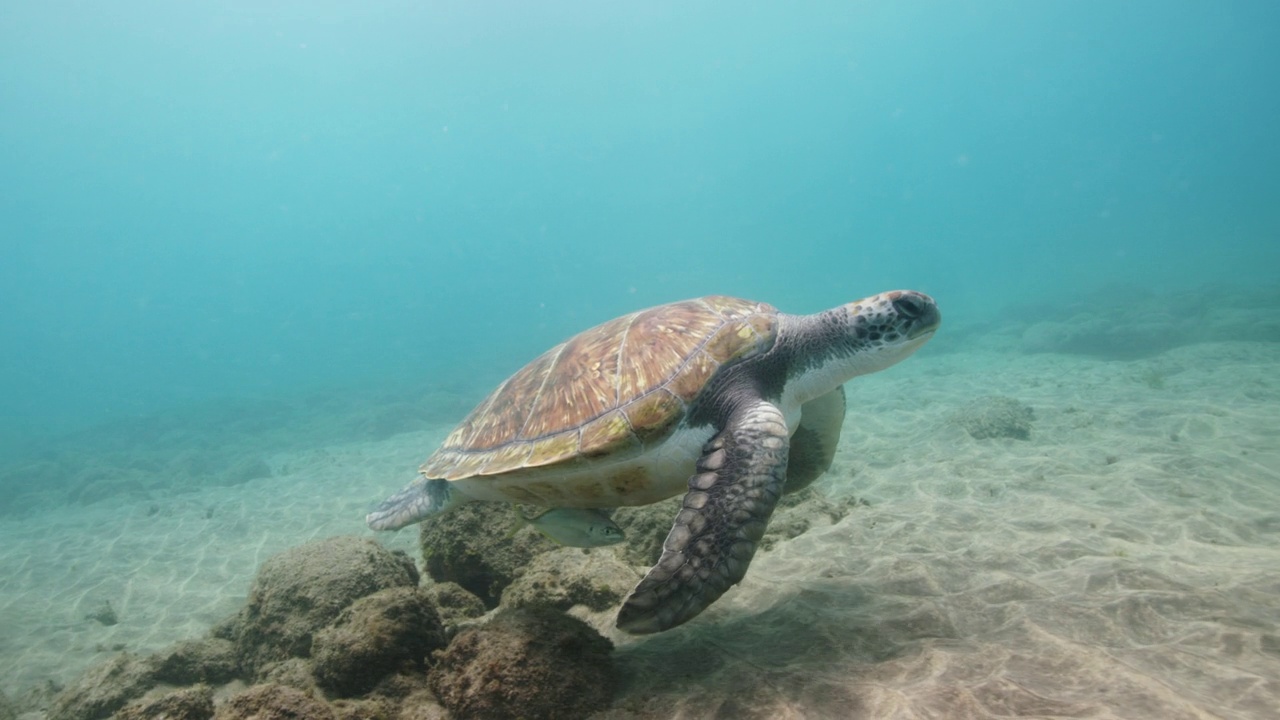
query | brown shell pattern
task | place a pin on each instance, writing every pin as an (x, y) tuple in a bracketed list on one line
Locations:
[(616, 386)]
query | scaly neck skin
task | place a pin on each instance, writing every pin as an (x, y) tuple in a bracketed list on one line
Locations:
[(830, 348)]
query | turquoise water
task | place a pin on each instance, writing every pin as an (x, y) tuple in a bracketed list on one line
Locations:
[(242, 200), (256, 259)]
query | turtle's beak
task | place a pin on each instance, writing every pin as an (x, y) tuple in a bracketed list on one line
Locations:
[(920, 311), (919, 331)]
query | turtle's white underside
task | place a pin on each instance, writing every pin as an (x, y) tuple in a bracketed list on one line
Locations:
[(640, 478)]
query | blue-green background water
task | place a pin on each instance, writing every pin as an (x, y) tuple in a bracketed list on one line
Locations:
[(212, 200)]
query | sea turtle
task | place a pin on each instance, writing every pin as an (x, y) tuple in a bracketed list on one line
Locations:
[(726, 400)]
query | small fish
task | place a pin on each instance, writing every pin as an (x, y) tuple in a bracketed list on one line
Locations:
[(576, 527)]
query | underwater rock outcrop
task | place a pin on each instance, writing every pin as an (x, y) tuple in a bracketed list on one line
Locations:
[(338, 629), (301, 590), (105, 688), (208, 660), (480, 547), (274, 702), (454, 604), (531, 663), (374, 637), (569, 577), (296, 673), (194, 703)]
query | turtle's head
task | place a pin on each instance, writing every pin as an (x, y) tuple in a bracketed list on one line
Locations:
[(873, 333), (837, 345), (893, 318), (886, 328)]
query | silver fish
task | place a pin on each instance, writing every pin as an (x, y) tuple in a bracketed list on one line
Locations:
[(576, 527)]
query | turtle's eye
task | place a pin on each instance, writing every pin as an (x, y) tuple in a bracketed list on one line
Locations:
[(909, 306)]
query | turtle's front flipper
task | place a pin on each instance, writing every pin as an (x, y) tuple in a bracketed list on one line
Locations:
[(415, 502), (739, 479), (813, 444)]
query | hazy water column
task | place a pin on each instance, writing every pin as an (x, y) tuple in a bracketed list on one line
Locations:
[(211, 199)]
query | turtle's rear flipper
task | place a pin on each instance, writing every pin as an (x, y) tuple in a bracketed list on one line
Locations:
[(739, 479), (420, 498)]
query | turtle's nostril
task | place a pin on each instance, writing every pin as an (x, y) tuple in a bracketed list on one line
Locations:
[(909, 306)]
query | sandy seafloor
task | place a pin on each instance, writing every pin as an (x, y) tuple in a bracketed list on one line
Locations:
[(1124, 561)]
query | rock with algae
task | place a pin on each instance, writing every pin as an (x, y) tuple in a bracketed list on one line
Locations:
[(193, 703), (301, 590), (374, 637), (535, 663)]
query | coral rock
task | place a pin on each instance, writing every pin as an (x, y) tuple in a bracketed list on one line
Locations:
[(563, 578), (454, 604), (194, 703), (104, 688), (528, 663), (212, 660), (374, 637), (301, 590), (474, 547), (292, 673), (274, 702)]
